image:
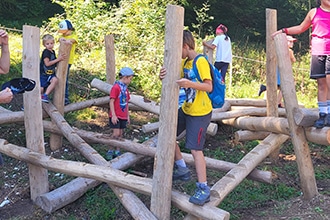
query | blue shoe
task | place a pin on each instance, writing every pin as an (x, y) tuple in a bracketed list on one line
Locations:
[(110, 155), (117, 153), (181, 173), (322, 121), (201, 196), (44, 98), (1, 160)]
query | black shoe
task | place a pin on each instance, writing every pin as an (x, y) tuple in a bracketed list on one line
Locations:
[(322, 121), (1, 160), (327, 120), (262, 89)]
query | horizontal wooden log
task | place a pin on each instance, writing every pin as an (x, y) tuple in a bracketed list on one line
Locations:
[(211, 129), (148, 150), (247, 102), (236, 175), (243, 111), (109, 175), (305, 117), (279, 126), (246, 135)]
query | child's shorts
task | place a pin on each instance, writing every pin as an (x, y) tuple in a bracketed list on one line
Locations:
[(45, 79), (196, 127), (320, 66), (121, 124)]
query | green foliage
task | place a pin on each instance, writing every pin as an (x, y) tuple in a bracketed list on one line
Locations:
[(202, 17), (101, 203)]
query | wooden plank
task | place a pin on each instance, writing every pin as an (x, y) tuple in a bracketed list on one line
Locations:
[(55, 142), (301, 149), (164, 157), (32, 109), (110, 59)]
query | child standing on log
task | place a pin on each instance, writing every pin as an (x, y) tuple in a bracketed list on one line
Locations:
[(118, 114), (194, 116), (48, 61), (319, 19)]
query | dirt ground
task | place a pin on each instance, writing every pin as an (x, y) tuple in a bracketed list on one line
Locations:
[(15, 200)]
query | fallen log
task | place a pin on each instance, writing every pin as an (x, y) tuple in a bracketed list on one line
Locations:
[(279, 126), (236, 175), (245, 135), (109, 175)]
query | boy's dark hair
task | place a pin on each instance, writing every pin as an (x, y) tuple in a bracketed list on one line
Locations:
[(318, 3), (188, 39)]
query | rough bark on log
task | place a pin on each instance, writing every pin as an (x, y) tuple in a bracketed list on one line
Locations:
[(279, 126), (245, 135), (211, 129), (109, 175), (305, 117), (235, 176), (251, 111)]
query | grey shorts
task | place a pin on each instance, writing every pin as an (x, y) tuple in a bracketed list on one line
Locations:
[(195, 127), (320, 66)]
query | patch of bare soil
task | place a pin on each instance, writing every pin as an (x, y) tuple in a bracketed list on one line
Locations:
[(15, 200)]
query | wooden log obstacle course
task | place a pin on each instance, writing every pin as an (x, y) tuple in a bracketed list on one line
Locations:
[(253, 117)]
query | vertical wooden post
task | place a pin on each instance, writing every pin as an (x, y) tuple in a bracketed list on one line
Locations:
[(271, 77), (301, 149), (32, 109), (110, 59), (164, 157), (55, 141), (208, 52)]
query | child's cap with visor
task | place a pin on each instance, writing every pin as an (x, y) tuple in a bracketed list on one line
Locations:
[(126, 71), (65, 25)]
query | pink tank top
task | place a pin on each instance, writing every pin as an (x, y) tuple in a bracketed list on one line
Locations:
[(320, 43)]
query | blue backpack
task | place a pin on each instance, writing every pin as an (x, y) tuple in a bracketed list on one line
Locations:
[(217, 96)]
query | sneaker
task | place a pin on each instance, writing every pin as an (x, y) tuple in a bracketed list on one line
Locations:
[(1, 160), (181, 173), (201, 196), (117, 153), (262, 89), (327, 120), (110, 155), (44, 98), (321, 122), (66, 101)]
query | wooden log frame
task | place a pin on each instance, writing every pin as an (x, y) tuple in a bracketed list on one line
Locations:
[(89, 153), (301, 149), (55, 142), (38, 176), (279, 126), (168, 115), (246, 135), (111, 176)]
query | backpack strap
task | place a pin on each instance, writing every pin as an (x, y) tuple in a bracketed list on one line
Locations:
[(195, 67)]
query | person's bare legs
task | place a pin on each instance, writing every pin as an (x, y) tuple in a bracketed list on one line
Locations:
[(51, 87), (200, 165)]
